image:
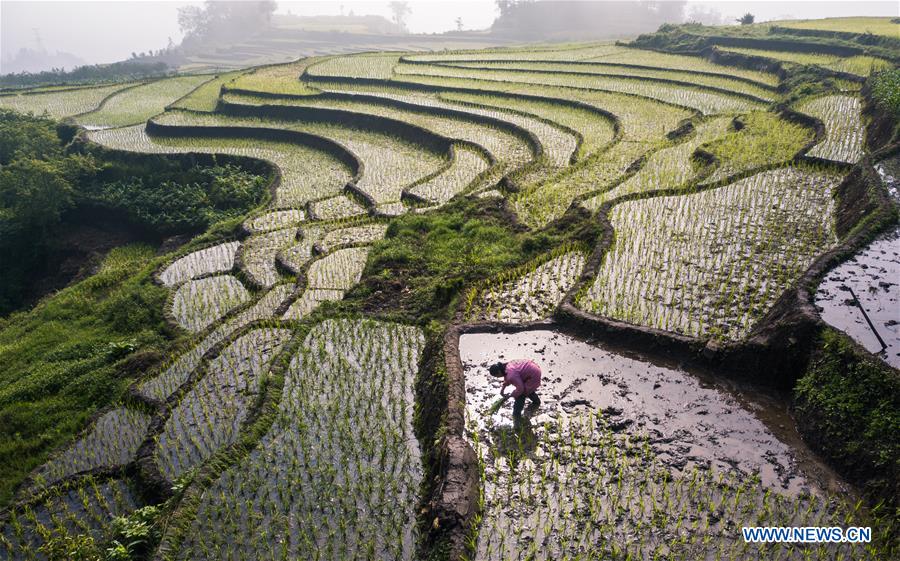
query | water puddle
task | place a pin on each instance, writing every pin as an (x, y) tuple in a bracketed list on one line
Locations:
[(688, 421), (861, 297)]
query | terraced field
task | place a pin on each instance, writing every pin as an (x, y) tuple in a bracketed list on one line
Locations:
[(690, 199)]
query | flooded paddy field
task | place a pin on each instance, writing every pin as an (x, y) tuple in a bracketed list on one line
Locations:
[(628, 457)]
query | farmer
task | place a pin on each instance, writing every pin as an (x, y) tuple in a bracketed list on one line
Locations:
[(525, 377)]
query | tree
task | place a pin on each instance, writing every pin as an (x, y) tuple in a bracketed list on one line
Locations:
[(746, 19), (400, 10), (459, 24)]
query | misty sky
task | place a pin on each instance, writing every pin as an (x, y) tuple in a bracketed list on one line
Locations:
[(107, 31)]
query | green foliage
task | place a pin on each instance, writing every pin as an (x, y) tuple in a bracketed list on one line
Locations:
[(134, 535), (180, 201), (71, 548), (850, 402), (62, 361), (886, 90)]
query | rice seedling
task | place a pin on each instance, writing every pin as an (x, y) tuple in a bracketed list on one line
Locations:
[(667, 168), (641, 119), (764, 138), (87, 509), (215, 259), (112, 441), (257, 255), (206, 96), (176, 373), (877, 26), (539, 204), (711, 263), (844, 129), (568, 52), (529, 293), (339, 270), (600, 68), (335, 208), (559, 145), (467, 165), (360, 66), (279, 79), (705, 101), (136, 105), (197, 304), (60, 104), (211, 414), (503, 145), (274, 220), (655, 59), (390, 163), (337, 475), (310, 300), (596, 129), (307, 174), (367, 233), (628, 459), (860, 65)]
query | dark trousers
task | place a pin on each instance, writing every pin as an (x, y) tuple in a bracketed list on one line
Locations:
[(520, 403)]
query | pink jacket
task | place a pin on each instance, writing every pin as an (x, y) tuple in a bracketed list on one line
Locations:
[(524, 375)]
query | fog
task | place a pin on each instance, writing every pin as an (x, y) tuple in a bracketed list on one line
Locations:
[(104, 31)]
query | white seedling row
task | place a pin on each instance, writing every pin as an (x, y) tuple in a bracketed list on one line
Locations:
[(336, 208), (705, 101), (135, 105), (844, 130), (532, 296), (339, 270), (504, 146), (467, 165), (258, 255), (337, 476), (199, 303), (211, 414), (367, 233), (711, 264), (88, 509), (112, 441), (60, 104), (667, 168), (362, 66), (307, 174), (600, 69), (310, 300), (537, 205), (595, 129), (274, 220), (558, 144), (389, 163), (162, 386), (215, 259), (552, 53)]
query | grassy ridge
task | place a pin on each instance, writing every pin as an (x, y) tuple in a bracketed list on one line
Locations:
[(73, 354)]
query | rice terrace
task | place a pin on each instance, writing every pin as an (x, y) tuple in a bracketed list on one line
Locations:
[(256, 302)]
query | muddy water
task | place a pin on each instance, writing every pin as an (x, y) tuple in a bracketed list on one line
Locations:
[(689, 421), (861, 297)]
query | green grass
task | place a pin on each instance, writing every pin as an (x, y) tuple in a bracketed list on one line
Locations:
[(860, 65), (70, 356), (876, 26), (850, 405), (206, 96)]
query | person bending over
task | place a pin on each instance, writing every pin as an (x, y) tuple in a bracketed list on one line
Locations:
[(524, 376)]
